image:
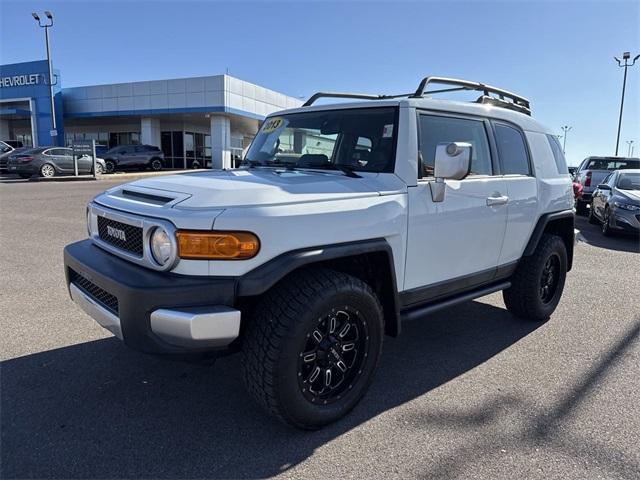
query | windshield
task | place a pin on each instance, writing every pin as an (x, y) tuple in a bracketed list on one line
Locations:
[(629, 181), (360, 139), (612, 163)]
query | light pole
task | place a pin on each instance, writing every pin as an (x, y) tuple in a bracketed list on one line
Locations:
[(50, 83), (625, 56), (630, 149), (565, 130)]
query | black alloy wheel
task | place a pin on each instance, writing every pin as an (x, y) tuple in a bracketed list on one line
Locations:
[(549, 278), (332, 357)]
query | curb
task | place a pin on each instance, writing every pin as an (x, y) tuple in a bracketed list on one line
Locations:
[(111, 177)]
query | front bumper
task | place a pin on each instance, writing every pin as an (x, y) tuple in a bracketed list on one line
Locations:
[(153, 312), (626, 220)]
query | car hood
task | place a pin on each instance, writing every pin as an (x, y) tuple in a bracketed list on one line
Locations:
[(268, 186), (632, 195)]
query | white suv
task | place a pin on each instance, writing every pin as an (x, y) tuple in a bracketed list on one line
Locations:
[(346, 220)]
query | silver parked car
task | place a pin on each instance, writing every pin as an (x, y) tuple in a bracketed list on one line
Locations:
[(593, 170), (615, 203)]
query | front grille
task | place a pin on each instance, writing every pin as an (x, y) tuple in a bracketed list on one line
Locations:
[(108, 301), (121, 235)]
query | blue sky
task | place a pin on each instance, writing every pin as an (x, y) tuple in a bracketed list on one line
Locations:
[(558, 54)]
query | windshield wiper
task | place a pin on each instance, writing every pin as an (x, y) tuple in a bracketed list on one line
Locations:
[(348, 170)]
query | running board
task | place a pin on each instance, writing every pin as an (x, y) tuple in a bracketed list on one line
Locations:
[(419, 312)]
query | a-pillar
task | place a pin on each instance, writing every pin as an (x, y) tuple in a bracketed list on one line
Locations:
[(150, 131), (220, 141)]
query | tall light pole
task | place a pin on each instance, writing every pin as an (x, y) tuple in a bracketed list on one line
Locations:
[(50, 83), (565, 129), (630, 149), (625, 56)]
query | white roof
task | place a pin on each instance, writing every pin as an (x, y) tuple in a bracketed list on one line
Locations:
[(469, 108)]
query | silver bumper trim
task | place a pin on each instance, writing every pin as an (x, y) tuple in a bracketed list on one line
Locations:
[(197, 327), (104, 317)]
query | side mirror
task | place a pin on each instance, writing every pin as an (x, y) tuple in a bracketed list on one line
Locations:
[(604, 186), (452, 162)]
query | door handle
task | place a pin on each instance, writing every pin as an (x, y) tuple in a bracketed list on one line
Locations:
[(497, 200)]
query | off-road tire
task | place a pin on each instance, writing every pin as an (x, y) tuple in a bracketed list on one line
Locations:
[(523, 299), (581, 207), (277, 334)]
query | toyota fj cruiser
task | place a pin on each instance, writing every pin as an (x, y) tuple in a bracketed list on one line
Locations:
[(345, 220)]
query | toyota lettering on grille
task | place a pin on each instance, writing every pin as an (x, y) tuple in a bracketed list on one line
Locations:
[(116, 233)]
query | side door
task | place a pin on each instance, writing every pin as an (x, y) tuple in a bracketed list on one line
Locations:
[(521, 185), (455, 244), (601, 200), (56, 157), (126, 156), (85, 162)]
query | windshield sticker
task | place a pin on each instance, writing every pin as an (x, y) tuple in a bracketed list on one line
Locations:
[(272, 124), (387, 131)]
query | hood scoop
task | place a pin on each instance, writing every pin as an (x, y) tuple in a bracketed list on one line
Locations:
[(145, 197)]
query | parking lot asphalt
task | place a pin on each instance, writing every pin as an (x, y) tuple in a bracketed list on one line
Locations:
[(466, 393)]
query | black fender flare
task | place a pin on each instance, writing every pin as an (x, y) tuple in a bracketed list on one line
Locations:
[(265, 276), (567, 217)]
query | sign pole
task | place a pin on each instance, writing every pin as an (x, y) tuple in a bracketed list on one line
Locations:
[(93, 155)]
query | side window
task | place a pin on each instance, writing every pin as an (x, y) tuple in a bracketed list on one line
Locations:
[(512, 150), (436, 129), (608, 179), (141, 149), (561, 162)]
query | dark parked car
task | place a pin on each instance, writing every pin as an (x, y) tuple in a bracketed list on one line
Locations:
[(7, 148), (134, 156), (50, 161), (615, 203)]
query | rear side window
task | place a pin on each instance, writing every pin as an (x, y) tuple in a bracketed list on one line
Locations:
[(435, 129), (561, 162), (512, 150)]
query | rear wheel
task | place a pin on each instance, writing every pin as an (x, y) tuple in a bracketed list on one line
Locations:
[(47, 170), (581, 207), (536, 286), (312, 348)]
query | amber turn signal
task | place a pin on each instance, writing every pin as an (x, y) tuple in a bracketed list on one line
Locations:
[(199, 245)]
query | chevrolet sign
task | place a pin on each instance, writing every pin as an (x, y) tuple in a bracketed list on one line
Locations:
[(20, 80)]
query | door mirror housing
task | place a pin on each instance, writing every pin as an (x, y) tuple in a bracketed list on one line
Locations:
[(452, 162), (604, 186)]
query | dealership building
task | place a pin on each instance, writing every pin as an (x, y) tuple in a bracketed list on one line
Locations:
[(194, 120)]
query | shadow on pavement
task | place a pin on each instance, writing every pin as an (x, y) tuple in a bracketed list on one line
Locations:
[(592, 235), (99, 410), (543, 426)]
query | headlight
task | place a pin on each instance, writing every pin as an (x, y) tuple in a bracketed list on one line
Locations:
[(199, 245), (626, 206), (161, 247)]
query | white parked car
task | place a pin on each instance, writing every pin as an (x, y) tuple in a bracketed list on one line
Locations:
[(346, 220)]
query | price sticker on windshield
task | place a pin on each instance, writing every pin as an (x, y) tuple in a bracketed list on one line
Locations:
[(272, 125)]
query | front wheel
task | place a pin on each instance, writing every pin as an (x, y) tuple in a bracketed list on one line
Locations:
[(110, 165), (311, 349), (99, 169), (606, 223), (537, 284), (156, 164)]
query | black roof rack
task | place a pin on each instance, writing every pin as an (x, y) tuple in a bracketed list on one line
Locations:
[(504, 99)]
